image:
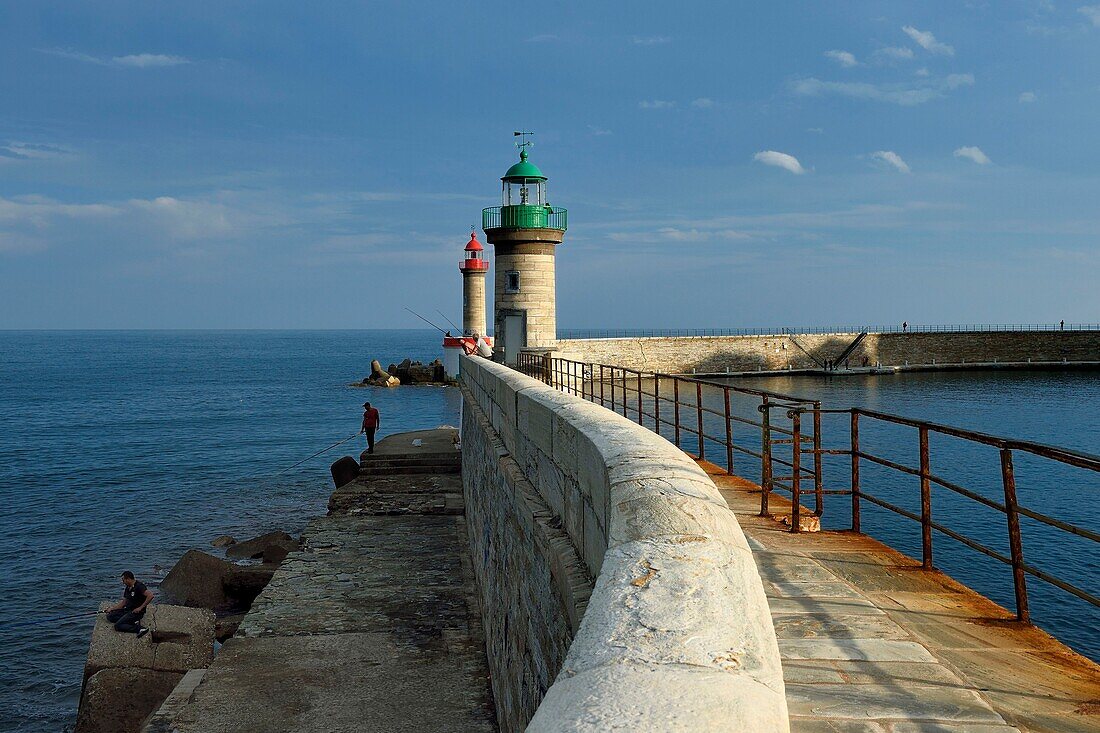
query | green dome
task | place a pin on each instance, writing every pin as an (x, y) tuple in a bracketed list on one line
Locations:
[(523, 170)]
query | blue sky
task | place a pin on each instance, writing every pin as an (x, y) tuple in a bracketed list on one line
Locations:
[(318, 165)]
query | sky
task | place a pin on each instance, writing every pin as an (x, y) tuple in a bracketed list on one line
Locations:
[(319, 165)]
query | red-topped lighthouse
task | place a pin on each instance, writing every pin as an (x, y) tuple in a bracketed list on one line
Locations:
[(474, 268)]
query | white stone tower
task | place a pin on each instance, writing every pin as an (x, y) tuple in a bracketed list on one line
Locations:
[(524, 231)]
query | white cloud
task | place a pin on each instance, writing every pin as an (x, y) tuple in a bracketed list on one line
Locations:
[(15, 150), (928, 42), (598, 131), (923, 72), (1027, 97), (133, 61), (656, 104), (816, 130), (702, 103), (905, 95), (895, 53), (677, 234), (780, 160), (542, 38), (147, 60), (971, 152), (844, 58), (891, 158), (1092, 12), (650, 40)]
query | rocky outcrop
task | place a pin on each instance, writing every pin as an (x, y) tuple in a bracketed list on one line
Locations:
[(223, 541), (254, 548), (415, 372), (126, 678), (379, 377)]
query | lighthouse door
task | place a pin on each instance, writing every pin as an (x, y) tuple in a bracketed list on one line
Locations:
[(515, 337)]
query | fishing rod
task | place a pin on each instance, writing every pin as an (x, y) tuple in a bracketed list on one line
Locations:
[(70, 616), (437, 328), (323, 450), (448, 320)]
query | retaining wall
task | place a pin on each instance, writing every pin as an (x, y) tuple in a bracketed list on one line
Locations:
[(751, 353), (566, 499)]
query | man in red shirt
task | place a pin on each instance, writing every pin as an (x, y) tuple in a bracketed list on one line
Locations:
[(371, 421)]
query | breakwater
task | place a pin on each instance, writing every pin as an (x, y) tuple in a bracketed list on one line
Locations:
[(812, 351), (560, 493)]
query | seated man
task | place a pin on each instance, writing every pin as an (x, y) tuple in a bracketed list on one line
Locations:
[(126, 614)]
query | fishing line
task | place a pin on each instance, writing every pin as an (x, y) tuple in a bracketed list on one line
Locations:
[(353, 436)]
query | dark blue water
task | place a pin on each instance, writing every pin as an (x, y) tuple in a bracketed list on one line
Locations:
[(125, 449), (1052, 407)]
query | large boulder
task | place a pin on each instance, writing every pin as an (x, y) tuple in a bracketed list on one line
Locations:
[(245, 582), (119, 700), (197, 580), (223, 541), (344, 471), (253, 549), (379, 377)]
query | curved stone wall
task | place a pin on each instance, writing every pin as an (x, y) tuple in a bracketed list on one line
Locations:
[(560, 494)]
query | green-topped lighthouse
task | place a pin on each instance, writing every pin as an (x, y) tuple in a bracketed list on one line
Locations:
[(524, 231)]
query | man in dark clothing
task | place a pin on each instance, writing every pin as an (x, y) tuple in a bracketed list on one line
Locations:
[(126, 615), (371, 421)]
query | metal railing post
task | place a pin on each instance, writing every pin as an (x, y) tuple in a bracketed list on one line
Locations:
[(657, 402), (819, 499), (612, 385), (699, 410), (676, 408), (855, 471), (729, 432), (796, 440), (766, 455), (601, 387), (1019, 580), (640, 422), (925, 502)]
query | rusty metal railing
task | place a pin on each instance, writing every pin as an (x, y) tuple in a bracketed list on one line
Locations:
[(783, 442)]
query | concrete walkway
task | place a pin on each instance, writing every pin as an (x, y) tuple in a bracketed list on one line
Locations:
[(373, 625), (871, 643)]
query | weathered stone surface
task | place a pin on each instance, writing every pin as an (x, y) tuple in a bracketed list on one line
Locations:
[(223, 541), (119, 700), (226, 626), (196, 580), (254, 548)]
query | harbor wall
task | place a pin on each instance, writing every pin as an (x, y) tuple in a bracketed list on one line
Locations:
[(680, 355), (617, 589)]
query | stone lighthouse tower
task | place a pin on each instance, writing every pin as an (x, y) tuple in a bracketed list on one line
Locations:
[(524, 230), (473, 269)]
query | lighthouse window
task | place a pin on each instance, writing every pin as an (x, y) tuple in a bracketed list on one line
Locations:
[(511, 281)]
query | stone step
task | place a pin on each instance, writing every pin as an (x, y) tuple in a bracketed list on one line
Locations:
[(438, 458), (412, 468)]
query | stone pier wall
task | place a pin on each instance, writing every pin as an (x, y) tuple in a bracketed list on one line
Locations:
[(617, 589), (782, 351)]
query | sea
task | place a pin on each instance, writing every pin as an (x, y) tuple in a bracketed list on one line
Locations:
[(123, 450)]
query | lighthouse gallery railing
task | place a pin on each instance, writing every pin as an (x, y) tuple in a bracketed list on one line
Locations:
[(787, 442)]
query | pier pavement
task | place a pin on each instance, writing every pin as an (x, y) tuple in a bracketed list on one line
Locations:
[(872, 643), (373, 625)]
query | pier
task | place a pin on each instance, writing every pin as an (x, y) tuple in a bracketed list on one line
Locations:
[(872, 642)]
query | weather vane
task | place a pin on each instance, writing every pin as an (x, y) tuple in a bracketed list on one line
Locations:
[(524, 142)]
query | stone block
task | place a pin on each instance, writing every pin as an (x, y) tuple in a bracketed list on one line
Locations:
[(196, 580), (119, 700), (180, 639)]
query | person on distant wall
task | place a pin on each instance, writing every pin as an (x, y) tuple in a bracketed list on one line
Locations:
[(1062, 325), (904, 326), (126, 615), (371, 421)]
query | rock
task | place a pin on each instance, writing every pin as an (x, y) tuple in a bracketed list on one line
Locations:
[(223, 541), (119, 700), (180, 639), (275, 554), (254, 548), (196, 580), (379, 377), (245, 582), (344, 471)]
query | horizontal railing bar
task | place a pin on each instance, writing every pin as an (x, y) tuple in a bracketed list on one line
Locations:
[(888, 505), (1083, 595), (889, 464), (1071, 528), (970, 543)]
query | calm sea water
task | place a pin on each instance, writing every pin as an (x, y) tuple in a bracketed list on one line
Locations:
[(124, 450), (1052, 407)]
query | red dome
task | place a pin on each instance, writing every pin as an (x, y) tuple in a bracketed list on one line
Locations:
[(473, 245)]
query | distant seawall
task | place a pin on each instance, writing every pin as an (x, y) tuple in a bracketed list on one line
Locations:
[(617, 589), (684, 354)]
